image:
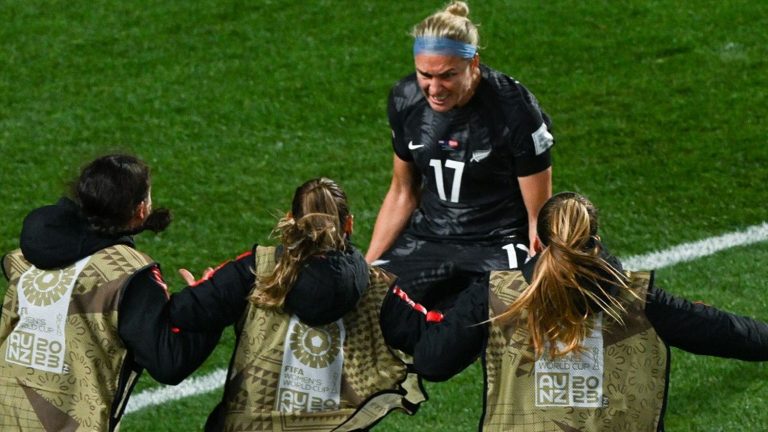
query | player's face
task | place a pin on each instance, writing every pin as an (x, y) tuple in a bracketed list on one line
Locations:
[(447, 81)]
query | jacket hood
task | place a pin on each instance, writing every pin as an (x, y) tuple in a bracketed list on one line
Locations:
[(328, 287), (58, 235)]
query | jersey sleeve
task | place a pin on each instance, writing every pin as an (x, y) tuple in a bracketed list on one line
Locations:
[(396, 125), (705, 330), (167, 353), (216, 301), (533, 139)]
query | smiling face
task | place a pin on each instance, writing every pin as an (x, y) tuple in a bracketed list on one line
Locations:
[(446, 81)]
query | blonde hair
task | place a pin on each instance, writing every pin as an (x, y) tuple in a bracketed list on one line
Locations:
[(568, 282), (450, 22), (315, 225)]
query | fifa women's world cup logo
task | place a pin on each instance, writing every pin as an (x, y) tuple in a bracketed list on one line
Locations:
[(316, 347), (313, 361), (39, 340), (44, 288)]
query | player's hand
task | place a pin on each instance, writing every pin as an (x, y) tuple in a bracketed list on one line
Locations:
[(190, 279), (535, 246)]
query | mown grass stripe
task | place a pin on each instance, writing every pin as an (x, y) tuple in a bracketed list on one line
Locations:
[(655, 260)]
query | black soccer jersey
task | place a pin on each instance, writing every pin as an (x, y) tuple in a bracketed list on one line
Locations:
[(470, 157)]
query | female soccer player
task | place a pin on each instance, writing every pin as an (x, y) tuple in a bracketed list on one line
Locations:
[(471, 165), (574, 342)]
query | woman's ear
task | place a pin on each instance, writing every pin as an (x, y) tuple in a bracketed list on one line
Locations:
[(140, 214), (349, 225)]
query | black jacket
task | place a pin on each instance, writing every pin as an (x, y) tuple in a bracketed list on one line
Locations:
[(443, 348), (58, 235), (327, 287)]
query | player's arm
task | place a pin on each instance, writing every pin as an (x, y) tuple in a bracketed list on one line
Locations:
[(168, 353), (215, 301), (705, 330), (536, 190), (401, 200), (449, 345), (532, 145)]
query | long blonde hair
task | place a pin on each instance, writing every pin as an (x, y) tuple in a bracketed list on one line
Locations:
[(569, 279), (315, 225), (450, 22)]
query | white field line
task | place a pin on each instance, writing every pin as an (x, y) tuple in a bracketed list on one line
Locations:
[(192, 386), (698, 249), (681, 253)]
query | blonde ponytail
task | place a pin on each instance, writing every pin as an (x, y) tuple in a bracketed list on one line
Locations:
[(568, 281), (315, 226)]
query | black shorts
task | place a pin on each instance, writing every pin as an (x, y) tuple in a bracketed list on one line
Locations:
[(433, 272)]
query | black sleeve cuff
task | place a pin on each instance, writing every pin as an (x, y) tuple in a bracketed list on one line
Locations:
[(525, 166)]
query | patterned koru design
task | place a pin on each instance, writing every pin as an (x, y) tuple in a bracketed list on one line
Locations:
[(635, 370), (81, 397), (369, 365)]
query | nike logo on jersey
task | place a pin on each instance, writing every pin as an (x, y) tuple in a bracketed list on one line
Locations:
[(411, 146)]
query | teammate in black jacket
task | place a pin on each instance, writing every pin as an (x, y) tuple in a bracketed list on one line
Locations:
[(316, 275), (112, 203), (569, 282)]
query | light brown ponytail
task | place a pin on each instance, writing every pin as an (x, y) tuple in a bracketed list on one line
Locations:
[(568, 281), (314, 226)]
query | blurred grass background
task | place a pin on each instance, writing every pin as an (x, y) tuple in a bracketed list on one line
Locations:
[(658, 106)]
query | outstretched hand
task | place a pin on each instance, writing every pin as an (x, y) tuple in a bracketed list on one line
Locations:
[(190, 279), (535, 245)]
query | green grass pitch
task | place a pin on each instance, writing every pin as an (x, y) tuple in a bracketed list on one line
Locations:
[(658, 106)]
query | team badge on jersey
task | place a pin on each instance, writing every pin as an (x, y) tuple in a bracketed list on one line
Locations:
[(478, 155), (542, 139), (449, 144)]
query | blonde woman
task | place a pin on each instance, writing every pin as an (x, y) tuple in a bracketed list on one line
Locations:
[(471, 165), (571, 341), (309, 351)]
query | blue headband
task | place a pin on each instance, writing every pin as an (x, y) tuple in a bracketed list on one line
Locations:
[(443, 46)]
